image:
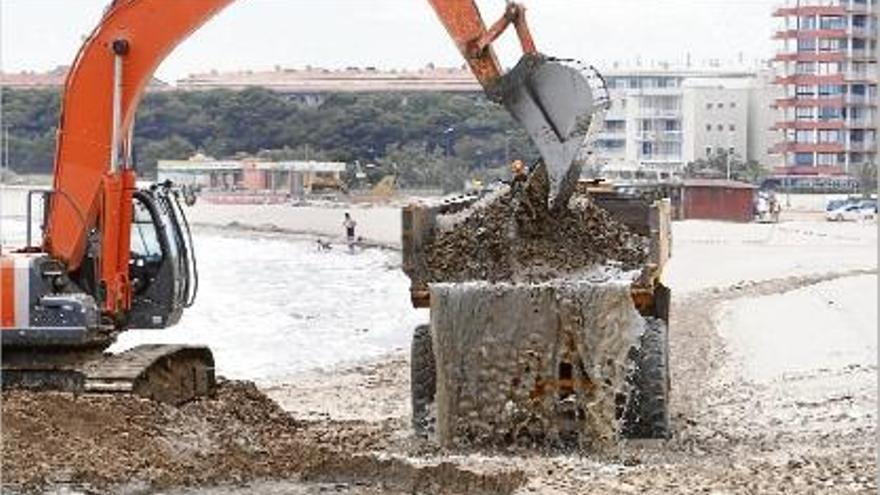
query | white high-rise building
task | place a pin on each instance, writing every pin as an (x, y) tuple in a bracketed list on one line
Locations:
[(662, 119)]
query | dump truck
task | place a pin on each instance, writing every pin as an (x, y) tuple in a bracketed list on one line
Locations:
[(553, 379)]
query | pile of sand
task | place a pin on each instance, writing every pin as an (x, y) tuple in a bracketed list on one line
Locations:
[(515, 237), (52, 437), (113, 443)]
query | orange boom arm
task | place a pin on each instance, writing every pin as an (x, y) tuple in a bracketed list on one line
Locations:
[(465, 26), (94, 175)]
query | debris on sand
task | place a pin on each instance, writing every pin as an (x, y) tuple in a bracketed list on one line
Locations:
[(514, 236), (102, 442)]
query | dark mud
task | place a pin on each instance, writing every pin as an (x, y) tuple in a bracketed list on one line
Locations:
[(516, 237)]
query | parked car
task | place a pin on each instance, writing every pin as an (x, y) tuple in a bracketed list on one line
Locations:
[(852, 212), (869, 204)]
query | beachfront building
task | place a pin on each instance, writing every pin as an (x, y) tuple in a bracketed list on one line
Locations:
[(293, 178), (662, 119), (827, 68)]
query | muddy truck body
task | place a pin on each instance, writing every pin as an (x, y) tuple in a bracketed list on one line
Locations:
[(645, 414)]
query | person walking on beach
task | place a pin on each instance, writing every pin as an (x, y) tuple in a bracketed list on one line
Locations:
[(349, 225)]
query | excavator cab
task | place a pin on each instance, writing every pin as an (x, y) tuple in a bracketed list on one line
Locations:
[(162, 266)]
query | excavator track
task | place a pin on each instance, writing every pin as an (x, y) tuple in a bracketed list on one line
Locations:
[(166, 373), (173, 374)]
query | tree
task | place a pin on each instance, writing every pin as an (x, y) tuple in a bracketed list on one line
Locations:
[(385, 129), (716, 167), (867, 177)]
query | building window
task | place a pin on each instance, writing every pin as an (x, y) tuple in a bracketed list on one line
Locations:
[(803, 113), (803, 158), (830, 113), (827, 159), (733, 104), (803, 136), (708, 151), (807, 22), (805, 68), (830, 136), (708, 106), (732, 127), (720, 127), (829, 68), (805, 90), (806, 44), (830, 89), (708, 127), (830, 45), (721, 105), (832, 22)]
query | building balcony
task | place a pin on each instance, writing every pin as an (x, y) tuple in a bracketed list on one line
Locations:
[(810, 124), (861, 100), (856, 7), (867, 145), (862, 76), (838, 56), (809, 148), (836, 102), (811, 79), (862, 32), (862, 55), (659, 136), (659, 113), (810, 10), (810, 33), (861, 123)]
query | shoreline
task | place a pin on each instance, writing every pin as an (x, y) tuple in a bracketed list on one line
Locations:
[(295, 234)]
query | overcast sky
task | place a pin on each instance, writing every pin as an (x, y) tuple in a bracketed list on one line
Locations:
[(259, 34)]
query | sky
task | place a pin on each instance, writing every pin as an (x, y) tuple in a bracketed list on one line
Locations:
[(39, 35)]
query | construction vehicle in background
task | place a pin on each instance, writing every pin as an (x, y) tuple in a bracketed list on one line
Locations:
[(115, 257)]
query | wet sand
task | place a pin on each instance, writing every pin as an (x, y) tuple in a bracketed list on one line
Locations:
[(740, 425)]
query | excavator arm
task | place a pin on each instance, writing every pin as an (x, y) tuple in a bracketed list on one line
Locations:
[(94, 174), (465, 26), (64, 305), (91, 208), (554, 100)]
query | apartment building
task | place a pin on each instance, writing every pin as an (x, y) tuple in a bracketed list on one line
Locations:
[(828, 73), (662, 119)]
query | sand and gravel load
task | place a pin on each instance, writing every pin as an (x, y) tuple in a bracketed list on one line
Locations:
[(513, 236)]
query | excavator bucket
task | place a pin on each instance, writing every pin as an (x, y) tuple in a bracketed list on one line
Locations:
[(555, 101)]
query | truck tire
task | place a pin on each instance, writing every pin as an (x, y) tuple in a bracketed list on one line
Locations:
[(423, 379), (647, 411)]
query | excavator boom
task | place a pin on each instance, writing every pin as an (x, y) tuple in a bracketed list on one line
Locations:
[(93, 279), (555, 101)]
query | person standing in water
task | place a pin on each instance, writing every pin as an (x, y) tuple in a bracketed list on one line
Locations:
[(349, 225)]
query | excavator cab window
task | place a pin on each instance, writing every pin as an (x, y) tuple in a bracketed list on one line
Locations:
[(161, 267), (146, 249)]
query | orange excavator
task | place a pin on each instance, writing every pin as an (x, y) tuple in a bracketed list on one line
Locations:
[(114, 256)]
